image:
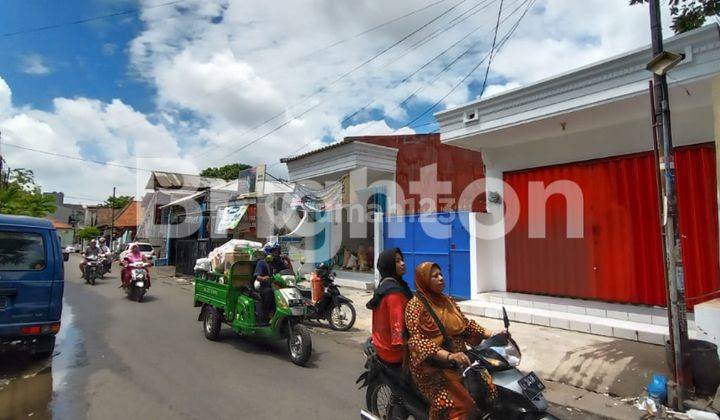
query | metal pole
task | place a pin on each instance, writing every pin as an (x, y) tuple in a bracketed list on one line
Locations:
[(654, 106), (673, 249), (112, 219)]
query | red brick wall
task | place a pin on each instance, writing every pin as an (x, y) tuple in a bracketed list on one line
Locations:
[(459, 166)]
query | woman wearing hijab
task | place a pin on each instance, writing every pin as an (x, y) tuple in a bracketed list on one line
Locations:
[(431, 355), (388, 306), (133, 255)]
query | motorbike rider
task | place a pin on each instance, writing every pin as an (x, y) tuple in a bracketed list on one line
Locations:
[(388, 305), (439, 332), (91, 250), (264, 270), (132, 256), (104, 249)]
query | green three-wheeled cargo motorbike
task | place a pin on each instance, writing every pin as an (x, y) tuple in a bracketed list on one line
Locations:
[(230, 298)]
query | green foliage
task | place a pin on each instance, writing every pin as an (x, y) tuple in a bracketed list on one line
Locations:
[(689, 14), (227, 172), (23, 197), (118, 202), (89, 232)]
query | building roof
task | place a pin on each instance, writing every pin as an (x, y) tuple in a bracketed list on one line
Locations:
[(601, 83), (344, 142), (25, 221), (57, 224), (177, 181), (376, 140), (130, 215)]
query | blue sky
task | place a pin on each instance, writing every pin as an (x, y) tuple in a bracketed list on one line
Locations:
[(79, 60), (177, 88)]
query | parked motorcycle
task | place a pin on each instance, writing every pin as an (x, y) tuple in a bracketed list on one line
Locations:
[(519, 395), (333, 307), (139, 280), (92, 270)]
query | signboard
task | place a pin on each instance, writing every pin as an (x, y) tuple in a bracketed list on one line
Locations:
[(327, 199), (229, 217), (251, 181)]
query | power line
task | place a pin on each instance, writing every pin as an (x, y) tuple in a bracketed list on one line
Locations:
[(437, 76), (45, 152), (502, 43), (337, 80), (86, 20)]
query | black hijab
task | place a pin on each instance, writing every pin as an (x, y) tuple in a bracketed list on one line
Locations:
[(390, 281)]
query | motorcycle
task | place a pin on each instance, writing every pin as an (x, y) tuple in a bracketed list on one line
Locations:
[(139, 280), (519, 395), (93, 267), (105, 262), (333, 307)]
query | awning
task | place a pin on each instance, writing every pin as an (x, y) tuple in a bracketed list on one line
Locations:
[(180, 200), (229, 217)]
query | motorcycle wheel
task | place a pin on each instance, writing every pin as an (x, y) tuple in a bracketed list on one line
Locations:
[(342, 317), (299, 344), (211, 323), (136, 294), (378, 397)]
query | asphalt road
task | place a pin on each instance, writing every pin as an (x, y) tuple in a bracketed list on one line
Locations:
[(121, 359)]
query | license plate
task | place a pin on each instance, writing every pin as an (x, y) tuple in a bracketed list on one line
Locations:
[(531, 385), (3, 302)]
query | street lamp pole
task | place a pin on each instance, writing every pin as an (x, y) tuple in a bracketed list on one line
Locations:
[(673, 250)]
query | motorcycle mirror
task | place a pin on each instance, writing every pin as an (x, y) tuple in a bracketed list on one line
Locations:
[(506, 320)]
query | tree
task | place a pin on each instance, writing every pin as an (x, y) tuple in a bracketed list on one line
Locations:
[(227, 172), (23, 197), (88, 233), (118, 202), (689, 14)]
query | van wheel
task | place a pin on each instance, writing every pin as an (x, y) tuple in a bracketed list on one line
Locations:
[(47, 347), (211, 324)]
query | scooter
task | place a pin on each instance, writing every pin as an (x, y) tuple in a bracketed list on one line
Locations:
[(105, 262), (333, 307), (139, 280), (93, 267), (519, 395)]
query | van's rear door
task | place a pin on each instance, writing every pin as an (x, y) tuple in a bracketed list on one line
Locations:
[(27, 266)]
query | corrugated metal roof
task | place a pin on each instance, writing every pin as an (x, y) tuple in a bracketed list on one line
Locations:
[(322, 149), (170, 180)]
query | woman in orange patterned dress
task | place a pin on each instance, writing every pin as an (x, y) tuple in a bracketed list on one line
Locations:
[(431, 355)]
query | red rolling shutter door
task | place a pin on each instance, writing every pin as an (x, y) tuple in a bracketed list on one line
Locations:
[(619, 259)]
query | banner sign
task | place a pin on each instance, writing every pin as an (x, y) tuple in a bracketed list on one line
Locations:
[(229, 217), (327, 199), (251, 181)]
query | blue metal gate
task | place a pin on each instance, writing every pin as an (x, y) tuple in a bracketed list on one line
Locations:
[(438, 237)]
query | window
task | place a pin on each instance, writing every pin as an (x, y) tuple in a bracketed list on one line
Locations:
[(145, 248), (21, 251)]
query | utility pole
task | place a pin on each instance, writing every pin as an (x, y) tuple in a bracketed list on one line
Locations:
[(112, 219), (673, 251)]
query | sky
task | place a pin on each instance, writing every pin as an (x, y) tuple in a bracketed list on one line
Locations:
[(188, 84)]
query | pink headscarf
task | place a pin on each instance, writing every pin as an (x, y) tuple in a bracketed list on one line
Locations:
[(134, 254)]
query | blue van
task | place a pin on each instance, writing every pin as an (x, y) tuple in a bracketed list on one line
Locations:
[(31, 284)]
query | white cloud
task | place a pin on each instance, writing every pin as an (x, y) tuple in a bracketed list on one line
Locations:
[(5, 97), (109, 49), (86, 128), (219, 80), (34, 64)]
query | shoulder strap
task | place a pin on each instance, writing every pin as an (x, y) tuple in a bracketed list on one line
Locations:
[(446, 340)]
